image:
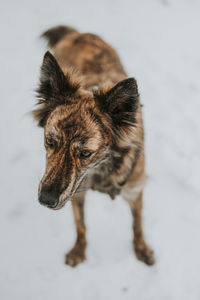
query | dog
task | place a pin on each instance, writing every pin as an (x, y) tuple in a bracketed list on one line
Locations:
[(93, 131)]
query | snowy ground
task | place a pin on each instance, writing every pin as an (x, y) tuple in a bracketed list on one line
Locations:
[(158, 42)]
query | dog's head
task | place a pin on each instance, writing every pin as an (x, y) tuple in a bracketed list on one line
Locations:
[(79, 128)]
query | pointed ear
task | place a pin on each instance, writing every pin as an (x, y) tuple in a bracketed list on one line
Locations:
[(55, 88), (120, 102), (53, 82)]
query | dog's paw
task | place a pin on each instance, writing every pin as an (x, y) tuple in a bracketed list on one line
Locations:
[(145, 254), (75, 256)]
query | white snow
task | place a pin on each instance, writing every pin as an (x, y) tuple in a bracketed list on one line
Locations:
[(158, 42)]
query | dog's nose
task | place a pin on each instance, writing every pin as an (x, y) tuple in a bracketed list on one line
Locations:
[(48, 197)]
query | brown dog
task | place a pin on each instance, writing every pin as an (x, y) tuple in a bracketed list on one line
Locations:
[(93, 131)]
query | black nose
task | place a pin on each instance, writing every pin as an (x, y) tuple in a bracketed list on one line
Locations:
[(48, 197)]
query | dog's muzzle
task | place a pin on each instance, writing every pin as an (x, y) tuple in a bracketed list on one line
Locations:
[(50, 197)]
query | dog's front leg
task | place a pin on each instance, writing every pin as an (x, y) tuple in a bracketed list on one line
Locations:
[(77, 253), (142, 250)]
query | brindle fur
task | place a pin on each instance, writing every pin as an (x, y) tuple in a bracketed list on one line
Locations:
[(77, 117)]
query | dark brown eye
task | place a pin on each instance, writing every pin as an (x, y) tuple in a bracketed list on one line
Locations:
[(50, 143), (85, 154)]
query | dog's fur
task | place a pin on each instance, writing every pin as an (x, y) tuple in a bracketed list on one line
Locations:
[(93, 131)]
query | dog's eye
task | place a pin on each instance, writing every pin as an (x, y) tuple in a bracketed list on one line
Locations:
[(85, 154), (50, 143)]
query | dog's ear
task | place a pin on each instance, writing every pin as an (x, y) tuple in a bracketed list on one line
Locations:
[(120, 102), (54, 88), (53, 82)]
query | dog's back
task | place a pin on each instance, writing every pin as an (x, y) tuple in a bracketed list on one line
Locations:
[(96, 61)]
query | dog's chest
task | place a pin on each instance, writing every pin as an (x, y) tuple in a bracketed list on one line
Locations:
[(101, 181), (104, 184), (106, 179)]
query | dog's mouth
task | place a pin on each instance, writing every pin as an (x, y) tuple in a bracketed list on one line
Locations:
[(62, 200), (59, 205)]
